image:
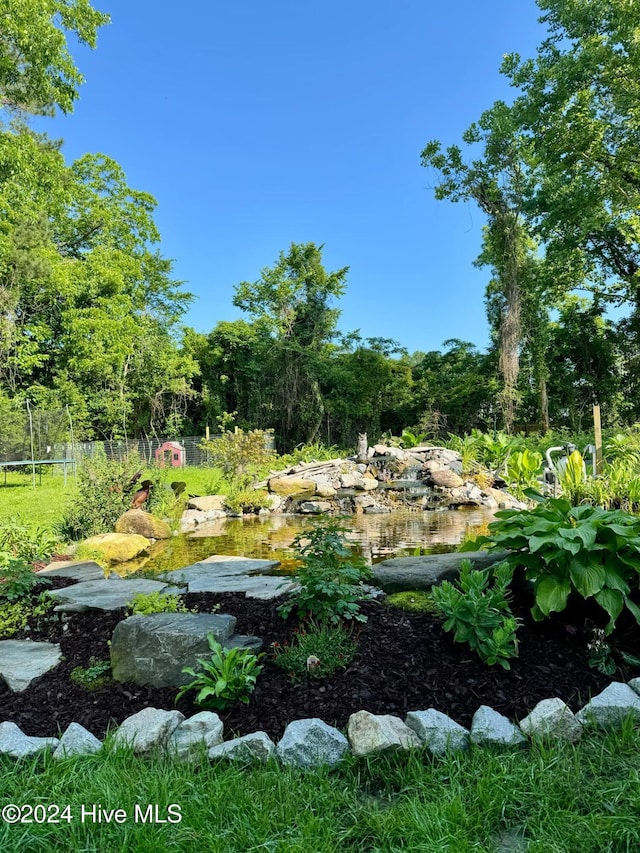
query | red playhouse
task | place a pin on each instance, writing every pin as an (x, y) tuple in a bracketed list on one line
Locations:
[(171, 454)]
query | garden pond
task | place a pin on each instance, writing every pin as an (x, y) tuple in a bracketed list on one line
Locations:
[(402, 532)]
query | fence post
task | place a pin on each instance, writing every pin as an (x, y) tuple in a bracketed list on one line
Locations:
[(597, 433)]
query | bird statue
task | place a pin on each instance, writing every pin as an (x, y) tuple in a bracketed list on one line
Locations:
[(142, 495), (178, 487)]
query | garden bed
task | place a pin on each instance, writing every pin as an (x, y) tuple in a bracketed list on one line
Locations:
[(404, 661)]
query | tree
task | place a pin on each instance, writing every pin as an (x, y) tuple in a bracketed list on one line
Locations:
[(37, 72), (292, 301), (497, 181)]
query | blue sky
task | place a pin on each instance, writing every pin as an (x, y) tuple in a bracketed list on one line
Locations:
[(256, 124)]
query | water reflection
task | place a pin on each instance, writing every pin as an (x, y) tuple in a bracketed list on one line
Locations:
[(395, 534)]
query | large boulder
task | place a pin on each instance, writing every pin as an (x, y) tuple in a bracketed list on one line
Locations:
[(400, 573), (206, 503), (444, 478), (144, 524), (155, 649), (290, 485), (117, 547)]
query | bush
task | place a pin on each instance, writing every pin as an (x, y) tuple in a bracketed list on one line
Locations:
[(242, 456), (587, 550), (25, 542), (17, 578), (105, 490), (316, 651), (228, 676), (479, 613), (240, 501), (330, 577)]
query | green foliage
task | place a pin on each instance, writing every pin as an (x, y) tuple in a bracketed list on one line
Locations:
[(314, 452), (240, 501), (17, 578), (467, 447), (104, 494), (523, 468), (587, 550), (144, 604), (242, 456), (317, 650), (228, 676), (330, 578), (15, 613), (416, 601), (94, 676), (25, 542), (477, 610)]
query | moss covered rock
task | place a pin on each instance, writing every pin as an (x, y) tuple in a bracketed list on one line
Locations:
[(116, 547), (144, 524)]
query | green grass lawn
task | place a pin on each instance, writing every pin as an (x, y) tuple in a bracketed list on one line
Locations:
[(562, 799), (43, 505)]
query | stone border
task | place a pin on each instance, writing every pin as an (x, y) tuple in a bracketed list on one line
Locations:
[(312, 743)]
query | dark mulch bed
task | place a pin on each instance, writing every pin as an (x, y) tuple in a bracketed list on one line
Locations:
[(404, 662)]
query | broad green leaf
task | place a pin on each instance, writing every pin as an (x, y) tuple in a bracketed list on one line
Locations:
[(634, 609), (612, 601), (587, 579), (551, 594)]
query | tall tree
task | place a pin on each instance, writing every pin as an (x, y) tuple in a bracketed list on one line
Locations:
[(37, 71), (497, 182), (293, 301)]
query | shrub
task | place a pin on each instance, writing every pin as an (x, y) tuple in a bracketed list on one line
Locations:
[(144, 604), (240, 501), (564, 549), (17, 578), (105, 489), (242, 456), (330, 577), (25, 542), (477, 610), (316, 651), (228, 676)]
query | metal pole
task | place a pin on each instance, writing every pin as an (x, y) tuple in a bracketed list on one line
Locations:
[(33, 461)]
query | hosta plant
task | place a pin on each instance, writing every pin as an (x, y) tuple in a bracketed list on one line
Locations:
[(228, 676), (563, 549), (476, 609)]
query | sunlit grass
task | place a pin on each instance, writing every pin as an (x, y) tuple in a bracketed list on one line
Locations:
[(561, 798)]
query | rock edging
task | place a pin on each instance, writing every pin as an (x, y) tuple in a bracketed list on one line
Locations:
[(313, 743)]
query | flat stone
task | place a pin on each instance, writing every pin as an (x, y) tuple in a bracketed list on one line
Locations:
[(22, 661), (370, 733), (154, 649), (490, 727), (148, 729), (552, 718), (208, 502), (611, 706), (15, 743), (255, 747), (430, 570), (107, 594), (311, 743), (202, 731), (193, 519), (76, 740), (314, 507), (438, 731), (289, 485), (77, 570), (218, 565)]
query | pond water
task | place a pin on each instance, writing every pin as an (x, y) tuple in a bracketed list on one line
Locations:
[(402, 532)]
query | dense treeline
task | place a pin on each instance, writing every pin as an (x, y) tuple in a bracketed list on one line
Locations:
[(90, 313)]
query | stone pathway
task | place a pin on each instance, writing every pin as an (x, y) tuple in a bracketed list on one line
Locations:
[(22, 661), (232, 574), (107, 594)]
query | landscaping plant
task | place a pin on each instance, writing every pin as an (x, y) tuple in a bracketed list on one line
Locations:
[(477, 609), (144, 604), (587, 550), (94, 676), (316, 650), (330, 577), (228, 676), (25, 542)]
